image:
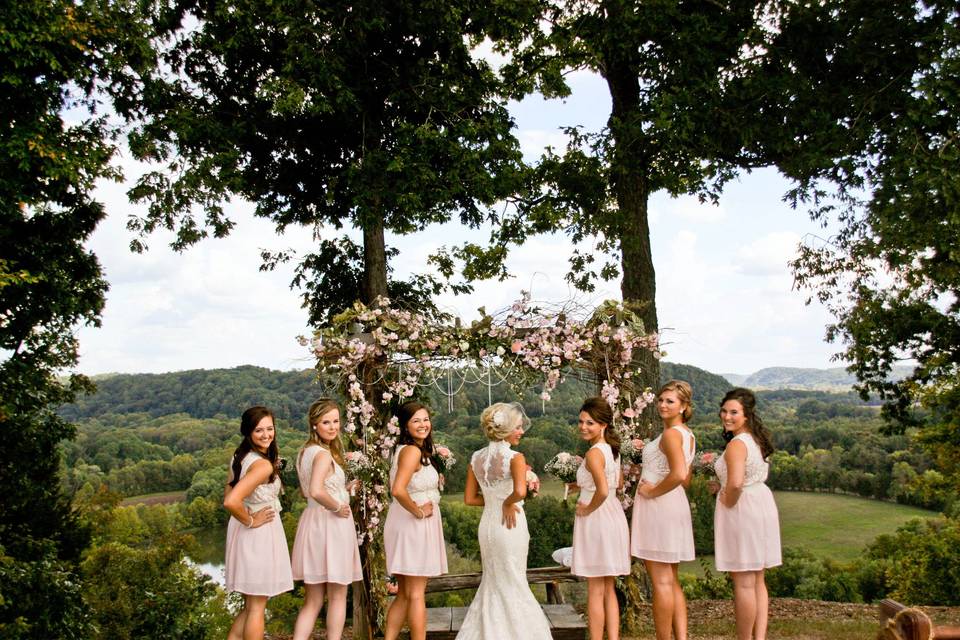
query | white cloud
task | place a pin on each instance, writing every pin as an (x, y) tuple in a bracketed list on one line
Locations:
[(769, 254), (533, 142), (686, 208)]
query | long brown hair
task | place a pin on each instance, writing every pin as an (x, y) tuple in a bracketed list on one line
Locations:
[(317, 410), (404, 413), (754, 424), (599, 409), (248, 422)]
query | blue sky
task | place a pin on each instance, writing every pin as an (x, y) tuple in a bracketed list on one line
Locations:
[(724, 291)]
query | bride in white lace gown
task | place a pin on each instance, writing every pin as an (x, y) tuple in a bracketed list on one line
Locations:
[(504, 606)]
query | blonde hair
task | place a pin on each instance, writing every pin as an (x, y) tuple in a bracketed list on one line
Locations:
[(317, 410), (684, 393), (500, 419)]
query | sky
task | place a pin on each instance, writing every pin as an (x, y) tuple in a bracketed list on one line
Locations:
[(725, 295)]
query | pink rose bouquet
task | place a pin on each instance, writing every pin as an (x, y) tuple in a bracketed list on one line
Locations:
[(443, 458), (704, 462), (533, 483), (631, 450)]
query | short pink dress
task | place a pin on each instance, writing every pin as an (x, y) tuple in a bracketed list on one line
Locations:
[(601, 540), (414, 546), (325, 549), (661, 528), (257, 560), (747, 535)]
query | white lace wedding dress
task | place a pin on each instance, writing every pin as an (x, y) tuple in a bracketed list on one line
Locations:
[(504, 606)]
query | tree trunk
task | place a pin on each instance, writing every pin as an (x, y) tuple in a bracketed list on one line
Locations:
[(374, 261), (630, 173)]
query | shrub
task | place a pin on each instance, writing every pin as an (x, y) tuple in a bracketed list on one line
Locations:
[(711, 586), (150, 593), (803, 575), (550, 521), (922, 561), (40, 599), (460, 524), (702, 505)]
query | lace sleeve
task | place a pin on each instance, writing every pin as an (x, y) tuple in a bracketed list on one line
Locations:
[(491, 465)]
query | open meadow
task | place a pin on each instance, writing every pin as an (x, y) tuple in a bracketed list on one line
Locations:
[(830, 525)]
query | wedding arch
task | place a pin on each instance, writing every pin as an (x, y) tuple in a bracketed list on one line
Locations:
[(379, 356)]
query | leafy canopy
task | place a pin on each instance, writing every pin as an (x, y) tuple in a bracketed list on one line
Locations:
[(891, 272), (365, 115)]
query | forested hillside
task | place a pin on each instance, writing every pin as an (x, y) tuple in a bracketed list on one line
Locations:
[(207, 393), (150, 433)]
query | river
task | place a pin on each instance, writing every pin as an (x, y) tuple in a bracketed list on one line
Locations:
[(209, 555)]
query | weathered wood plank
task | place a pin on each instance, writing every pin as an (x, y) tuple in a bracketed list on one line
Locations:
[(555, 593), (898, 621), (439, 619), (563, 616), (537, 575), (565, 622), (459, 613), (888, 609)]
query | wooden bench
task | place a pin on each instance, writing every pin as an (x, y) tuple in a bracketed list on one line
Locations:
[(443, 623), (898, 622)]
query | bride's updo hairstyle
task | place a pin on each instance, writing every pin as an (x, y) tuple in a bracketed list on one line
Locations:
[(500, 419)]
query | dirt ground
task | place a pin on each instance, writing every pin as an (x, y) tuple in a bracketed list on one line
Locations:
[(790, 619)]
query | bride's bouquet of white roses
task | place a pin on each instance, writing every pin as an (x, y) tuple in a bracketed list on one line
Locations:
[(564, 467)]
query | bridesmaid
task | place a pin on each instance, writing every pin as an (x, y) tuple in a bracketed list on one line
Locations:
[(601, 540), (413, 531), (745, 524), (325, 552), (257, 560), (661, 528)]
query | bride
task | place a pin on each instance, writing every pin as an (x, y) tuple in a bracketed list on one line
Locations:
[(504, 606)]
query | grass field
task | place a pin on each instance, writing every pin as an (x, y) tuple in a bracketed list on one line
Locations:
[(154, 498), (838, 526), (830, 525)]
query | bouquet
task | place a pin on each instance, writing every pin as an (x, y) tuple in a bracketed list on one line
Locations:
[(443, 459), (533, 483), (703, 463), (564, 467), (357, 463), (359, 467), (631, 450)]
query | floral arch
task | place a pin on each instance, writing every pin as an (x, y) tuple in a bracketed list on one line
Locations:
[(377, 357)]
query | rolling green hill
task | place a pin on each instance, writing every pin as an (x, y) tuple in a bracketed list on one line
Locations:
[(207, 393)]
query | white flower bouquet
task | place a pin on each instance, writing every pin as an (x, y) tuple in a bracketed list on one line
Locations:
[(564, 467)]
